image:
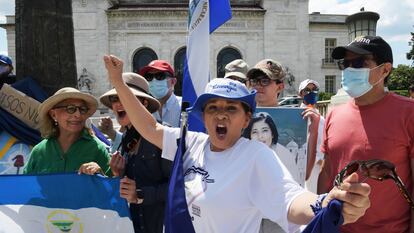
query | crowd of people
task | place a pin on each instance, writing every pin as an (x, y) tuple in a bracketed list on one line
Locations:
[(236, 174)]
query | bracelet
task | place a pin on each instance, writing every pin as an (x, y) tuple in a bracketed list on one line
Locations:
[(317, 207)]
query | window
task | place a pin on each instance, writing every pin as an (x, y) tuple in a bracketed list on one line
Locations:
[(224, 57), (142, 58), (330, 44), (179, 70), (330, 84)]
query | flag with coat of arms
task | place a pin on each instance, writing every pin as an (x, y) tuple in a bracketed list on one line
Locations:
[(62, 203)]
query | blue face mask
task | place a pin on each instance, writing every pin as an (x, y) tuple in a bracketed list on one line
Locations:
[(311, 98), (158, 88), (355, 81), (4, 69)]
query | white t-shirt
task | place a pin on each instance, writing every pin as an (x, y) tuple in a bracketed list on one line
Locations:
[(233, 190)]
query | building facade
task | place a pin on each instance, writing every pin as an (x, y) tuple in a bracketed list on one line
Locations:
[(142, 30)]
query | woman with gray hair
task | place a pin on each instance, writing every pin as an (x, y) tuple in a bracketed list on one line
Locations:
[(68, 144)]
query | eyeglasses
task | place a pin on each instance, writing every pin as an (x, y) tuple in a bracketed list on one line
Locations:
[(355, 63), (158, 76), (113, 99), (375, 169), (263, 81), (71, 109)]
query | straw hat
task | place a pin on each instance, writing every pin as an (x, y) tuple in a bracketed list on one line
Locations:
[(139, 86), (64, 94)]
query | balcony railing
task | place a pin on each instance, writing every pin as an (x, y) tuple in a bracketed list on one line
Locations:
[(328, 63), (323, 106)]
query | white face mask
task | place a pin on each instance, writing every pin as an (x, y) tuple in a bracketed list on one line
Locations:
[(355, 81)]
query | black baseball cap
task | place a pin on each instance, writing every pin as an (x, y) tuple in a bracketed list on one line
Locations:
[(366, 45)]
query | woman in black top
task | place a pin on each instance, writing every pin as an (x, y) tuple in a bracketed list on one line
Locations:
[(144, 174)]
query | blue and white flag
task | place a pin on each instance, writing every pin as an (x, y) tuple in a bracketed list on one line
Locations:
[(62, 203), (205, 16)]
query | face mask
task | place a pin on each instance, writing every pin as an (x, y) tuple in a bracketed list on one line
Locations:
[(355, 81), (158, 88), (4, 70), (311, 98)]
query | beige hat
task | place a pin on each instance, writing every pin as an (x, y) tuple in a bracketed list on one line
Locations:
[(272, 69), (139, 86), (236, 68), (64, 94)]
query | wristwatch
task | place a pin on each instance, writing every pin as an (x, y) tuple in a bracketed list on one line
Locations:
[(140, 196)]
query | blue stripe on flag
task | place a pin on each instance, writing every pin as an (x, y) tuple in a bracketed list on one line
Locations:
[(68, 191), (177, 217), (221, 11), (100, 135)]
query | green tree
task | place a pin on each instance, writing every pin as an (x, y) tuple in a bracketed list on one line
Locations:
[(401, 78), (410, 55)]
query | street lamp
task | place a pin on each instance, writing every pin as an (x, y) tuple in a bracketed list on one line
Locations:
[(363, 23)]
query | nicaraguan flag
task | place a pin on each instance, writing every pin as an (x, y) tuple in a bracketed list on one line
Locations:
[(205, 16), (177, 218), (62, 203)]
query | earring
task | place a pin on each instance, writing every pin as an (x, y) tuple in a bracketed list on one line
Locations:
[(56, 123)]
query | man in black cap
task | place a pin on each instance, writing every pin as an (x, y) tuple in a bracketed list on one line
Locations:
[(6, 68), (374, 124)]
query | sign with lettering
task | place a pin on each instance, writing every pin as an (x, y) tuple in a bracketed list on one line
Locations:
[(20, 105)]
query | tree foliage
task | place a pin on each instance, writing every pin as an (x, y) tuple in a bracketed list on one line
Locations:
[(410, 55), (401, 78)]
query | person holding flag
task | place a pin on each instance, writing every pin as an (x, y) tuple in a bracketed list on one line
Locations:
[(227, 188)]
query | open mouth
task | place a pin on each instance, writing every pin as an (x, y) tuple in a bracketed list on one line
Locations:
[(121, 114), (221, 130)]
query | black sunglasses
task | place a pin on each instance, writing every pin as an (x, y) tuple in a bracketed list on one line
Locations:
[(158, 76), (263, 81), (375, 169), (113, 99), (71, 109), (354, 63)]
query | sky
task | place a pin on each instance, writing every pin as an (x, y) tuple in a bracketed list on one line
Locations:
[(395, 23)]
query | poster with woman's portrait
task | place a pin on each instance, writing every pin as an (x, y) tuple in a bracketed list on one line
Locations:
[(283, 130)]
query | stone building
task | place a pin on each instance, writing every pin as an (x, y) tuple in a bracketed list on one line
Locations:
[(139, 31)]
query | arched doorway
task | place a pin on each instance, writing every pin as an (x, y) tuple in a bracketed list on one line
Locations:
[(224, 57), (179, 58), (142, 57)]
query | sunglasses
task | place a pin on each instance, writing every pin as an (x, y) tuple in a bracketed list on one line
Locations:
[(375, 169), (71, 109), (113, 99), (264, 81), (354, 63), (158, 76), (308, 90)]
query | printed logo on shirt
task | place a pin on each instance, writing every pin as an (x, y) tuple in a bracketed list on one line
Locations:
[(199, 170), (196, 180), (196, 210)]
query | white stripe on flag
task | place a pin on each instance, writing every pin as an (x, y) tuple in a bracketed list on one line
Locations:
[(198, 46), (36, 219)]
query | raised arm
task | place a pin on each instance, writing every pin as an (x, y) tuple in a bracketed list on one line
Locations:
[(140, 117)]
